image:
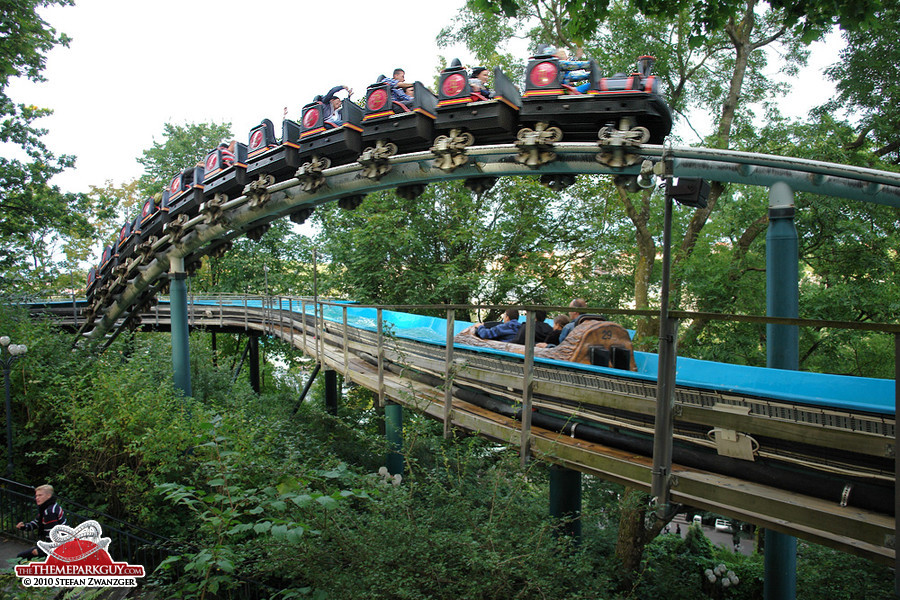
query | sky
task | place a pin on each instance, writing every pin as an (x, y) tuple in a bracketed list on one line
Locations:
[(133, 66)]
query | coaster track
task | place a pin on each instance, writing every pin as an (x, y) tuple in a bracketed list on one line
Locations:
[(141, 278)]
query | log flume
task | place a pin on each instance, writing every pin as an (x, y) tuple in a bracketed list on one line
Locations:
[(819, 473)]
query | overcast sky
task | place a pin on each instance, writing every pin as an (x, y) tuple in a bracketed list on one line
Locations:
[(134, 66)]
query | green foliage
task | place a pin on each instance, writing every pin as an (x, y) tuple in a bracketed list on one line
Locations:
[(230, 513), (579, 18), (280, 263), (467, 525), (866, 76), (515, 243), (35, 217), (826, 573), (183, 146)]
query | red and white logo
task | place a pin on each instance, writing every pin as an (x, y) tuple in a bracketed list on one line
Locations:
[(78, 558)]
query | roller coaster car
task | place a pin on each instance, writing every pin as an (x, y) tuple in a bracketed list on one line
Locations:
[(185, 193), (265, 154), (128, 237), (107, 264), (91, 285), (410, 128), (340, 143), (488, 119), (621, 101), (152, 220), (225, 171)]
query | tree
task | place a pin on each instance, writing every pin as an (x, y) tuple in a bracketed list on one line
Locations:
[(279, 263), (182, 146), (579, 19), (867, 76), (36, 216), (516, 243)]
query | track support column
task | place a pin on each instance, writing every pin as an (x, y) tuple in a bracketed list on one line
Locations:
[(565, 499), (782, 352), (181, 357), (665, 386), (393, 429), (254, 363), (332, 393)]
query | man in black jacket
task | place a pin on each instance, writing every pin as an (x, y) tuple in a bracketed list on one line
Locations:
[(50, 514), (541, 329)]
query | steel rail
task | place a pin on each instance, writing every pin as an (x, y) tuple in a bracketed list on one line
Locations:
[(287, 197)]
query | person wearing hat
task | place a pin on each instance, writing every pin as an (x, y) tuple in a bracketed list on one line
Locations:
[(478, 82)]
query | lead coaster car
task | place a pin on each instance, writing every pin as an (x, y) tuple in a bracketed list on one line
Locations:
[(622, 101), (411, 128), (490, 120)]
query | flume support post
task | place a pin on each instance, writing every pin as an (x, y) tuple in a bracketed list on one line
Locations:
[(782, 352)]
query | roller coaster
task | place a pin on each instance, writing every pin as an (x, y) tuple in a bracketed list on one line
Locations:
[(815, 464)]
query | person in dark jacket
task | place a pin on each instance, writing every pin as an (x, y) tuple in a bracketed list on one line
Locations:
[(541, 329), (559, 322), (333, 104), (50, 514), (506, 331)]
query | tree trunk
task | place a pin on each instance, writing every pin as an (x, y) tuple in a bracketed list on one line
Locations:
[(633, 534), (643, 271)]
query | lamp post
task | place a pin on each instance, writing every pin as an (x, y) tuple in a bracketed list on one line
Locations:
[(14, 351)]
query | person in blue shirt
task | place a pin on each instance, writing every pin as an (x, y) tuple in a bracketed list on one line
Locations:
[(576, 73), (398, 87), (506, 331)]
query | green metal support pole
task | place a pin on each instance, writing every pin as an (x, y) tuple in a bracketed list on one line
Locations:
[(181, 358), (254, 363), (782, 352), (896, 466), (331, 392), (664, 422), (565, 499), (393, 421)]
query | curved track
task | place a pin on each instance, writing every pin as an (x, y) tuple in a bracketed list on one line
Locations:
[(215, 225)]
